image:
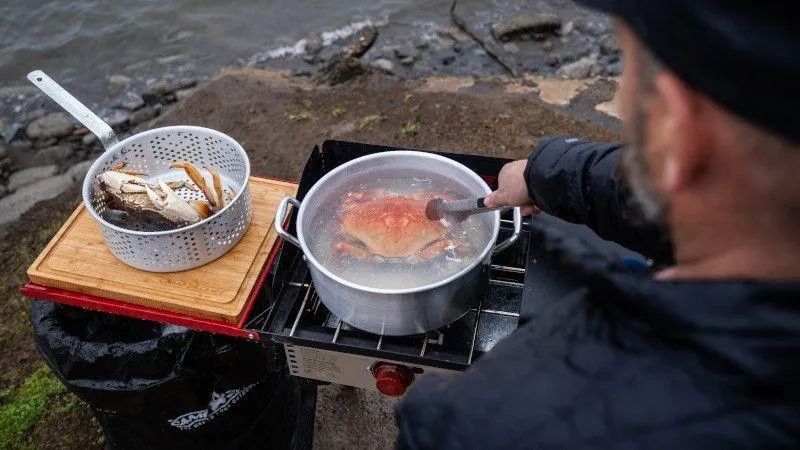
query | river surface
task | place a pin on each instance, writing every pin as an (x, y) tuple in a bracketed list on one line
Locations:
[(102, 49)]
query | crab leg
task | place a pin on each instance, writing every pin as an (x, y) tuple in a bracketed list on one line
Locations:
[(220, 200), (201, 207), (356, 251), (198, 180), (120, 167)]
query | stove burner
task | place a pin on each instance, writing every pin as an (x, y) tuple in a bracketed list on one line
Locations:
[(299, 318)]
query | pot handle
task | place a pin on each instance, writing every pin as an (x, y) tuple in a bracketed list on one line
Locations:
[(280, 218), (513, 238)]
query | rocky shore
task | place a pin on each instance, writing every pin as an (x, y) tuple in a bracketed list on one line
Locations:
[(41, 159), (578, 45)]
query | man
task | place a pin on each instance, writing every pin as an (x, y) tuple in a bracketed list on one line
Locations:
[(703, 353)]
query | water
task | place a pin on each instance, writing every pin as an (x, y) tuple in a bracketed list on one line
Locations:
[(83, 43), (329, 228)]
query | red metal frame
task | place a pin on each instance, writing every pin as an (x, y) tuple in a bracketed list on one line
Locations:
[(157, 315)]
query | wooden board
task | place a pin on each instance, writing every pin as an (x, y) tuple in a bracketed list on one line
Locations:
[(77, 260)]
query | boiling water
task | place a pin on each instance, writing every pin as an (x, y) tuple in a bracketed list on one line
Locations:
[(399, 273)]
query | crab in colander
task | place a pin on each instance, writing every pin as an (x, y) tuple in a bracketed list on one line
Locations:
[(137, 203)]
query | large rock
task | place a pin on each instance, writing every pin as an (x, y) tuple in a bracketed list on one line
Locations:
[(5, 165), (340, 69), (525, 23), (361, 42), (405, 52), (31, 175), (13, 206), (52, 155), (53, 125), (384, 65), (579, 69), (163, 92), (143, 115), (609, 44)]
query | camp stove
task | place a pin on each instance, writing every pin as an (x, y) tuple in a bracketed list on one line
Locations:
[(320, 346)]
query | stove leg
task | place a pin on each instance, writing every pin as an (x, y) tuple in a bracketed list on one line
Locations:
[(307, 407)]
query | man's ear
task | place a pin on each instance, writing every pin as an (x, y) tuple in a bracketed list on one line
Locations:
[(681, 132)]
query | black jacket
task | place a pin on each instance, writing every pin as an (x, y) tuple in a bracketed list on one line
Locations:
[(625, 362)]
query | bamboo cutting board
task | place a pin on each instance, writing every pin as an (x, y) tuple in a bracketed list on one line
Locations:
[(77, 260)]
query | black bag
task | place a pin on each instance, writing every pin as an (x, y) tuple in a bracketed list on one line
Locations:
[(163, 386)]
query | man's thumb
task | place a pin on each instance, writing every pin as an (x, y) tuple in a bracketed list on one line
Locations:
[(494, 199)]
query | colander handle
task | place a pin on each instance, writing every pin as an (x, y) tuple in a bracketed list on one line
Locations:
[(71, 105), (513, 238), (280, 219)]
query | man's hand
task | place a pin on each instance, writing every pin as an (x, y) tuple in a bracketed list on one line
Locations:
[(512, 189)]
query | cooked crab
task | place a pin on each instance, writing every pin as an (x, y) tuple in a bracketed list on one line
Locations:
[(142, 204), (375, 225)]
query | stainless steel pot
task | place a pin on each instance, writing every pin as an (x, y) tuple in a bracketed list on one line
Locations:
[(396, 312)]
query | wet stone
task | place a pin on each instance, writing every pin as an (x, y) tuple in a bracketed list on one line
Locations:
[(445, 43), (314, 45), (579, 69), (447, 57), (119, 79), (408, 61), (592, 26), (3, 149), (548, 45), (510, 47), (53, 155), (143, 115), (117, 120), (20, 145), (35, 114), (524, 24), (609, 44), (614, 69), (3, 191), (31, 175), (299, 73), (89, 140), (421, 44), (405, 52), (384, 64), (133, 105), (53, 125)]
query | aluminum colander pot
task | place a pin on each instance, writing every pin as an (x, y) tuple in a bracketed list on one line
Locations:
[(396, 312), (152, 152)]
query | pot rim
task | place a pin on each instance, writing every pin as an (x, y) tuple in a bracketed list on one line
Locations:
[(412, 153), (89, 180)]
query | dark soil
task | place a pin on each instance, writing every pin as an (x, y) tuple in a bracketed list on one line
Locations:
[(280, 120)]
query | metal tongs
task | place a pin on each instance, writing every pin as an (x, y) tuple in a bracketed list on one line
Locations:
[(457, 211)]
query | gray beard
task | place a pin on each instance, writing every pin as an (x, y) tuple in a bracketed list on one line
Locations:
[(637, 174)]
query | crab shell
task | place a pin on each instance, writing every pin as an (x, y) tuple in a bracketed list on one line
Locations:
[(157, 207), (376, 226)]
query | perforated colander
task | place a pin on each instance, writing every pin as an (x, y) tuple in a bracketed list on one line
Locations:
[(152, 152)]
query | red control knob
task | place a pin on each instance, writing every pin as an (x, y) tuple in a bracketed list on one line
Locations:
[(391, 379)]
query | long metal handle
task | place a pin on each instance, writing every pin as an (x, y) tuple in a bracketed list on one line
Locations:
[(70, 104), (469, 205), (280, 218), (513, 238)]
